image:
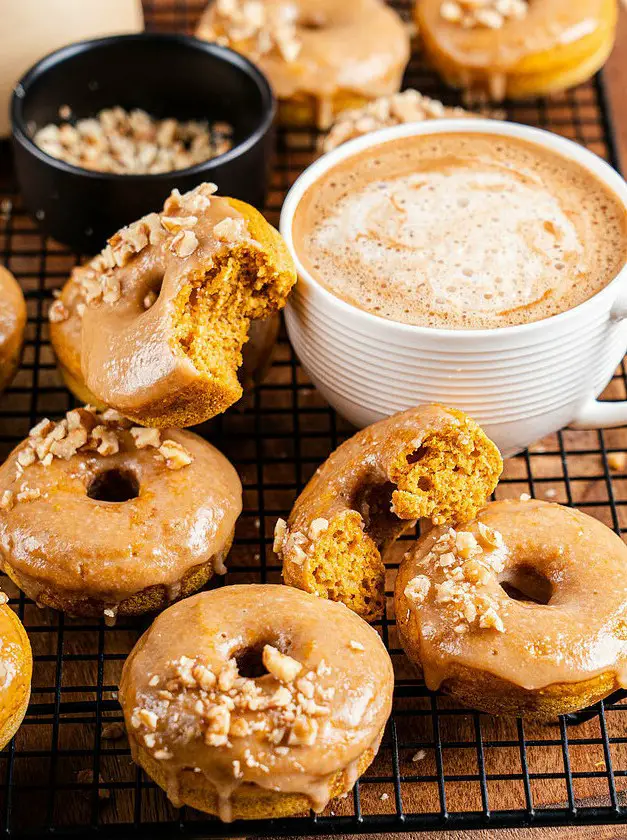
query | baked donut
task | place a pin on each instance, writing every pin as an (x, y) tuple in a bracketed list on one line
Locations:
[(523, 612), (410, 106), (12, 325), (430, 461), (241, 703), (320, 56), (522, 49), (66, 323), (168, 306), (98, 516), (16, 668)]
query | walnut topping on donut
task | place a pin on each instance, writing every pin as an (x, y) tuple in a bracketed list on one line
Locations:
[(97, 280), (176, 456), (280, 533), (219, 707), (409, 106), (145, 437), (58, 312), (281, 666), (490, 14), (266, 28), (7, 500), (230, 230), (466, 563)]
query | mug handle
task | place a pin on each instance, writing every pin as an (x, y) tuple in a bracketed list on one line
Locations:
[(597, 414)]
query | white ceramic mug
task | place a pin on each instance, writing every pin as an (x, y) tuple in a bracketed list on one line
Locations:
[(520, 383)]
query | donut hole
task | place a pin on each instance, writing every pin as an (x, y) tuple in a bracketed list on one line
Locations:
[(151, 291), (526, 584), (250, 662), (116, 485)]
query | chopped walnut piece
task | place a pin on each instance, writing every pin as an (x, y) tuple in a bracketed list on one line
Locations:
[(353, 645), (28, 494), (70, 445), (229, 230), (491, 619), (106, 440), (145, 437), (184, 243), (7, 500), (281, 666), (58, 312), (280, 533), (174, 224), (148, 718), (417, 589), (176, 456), (149, 299), (204, 676), (304, 731), (4, 598)]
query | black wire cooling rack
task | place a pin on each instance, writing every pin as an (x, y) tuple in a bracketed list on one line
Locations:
[(68, 772)]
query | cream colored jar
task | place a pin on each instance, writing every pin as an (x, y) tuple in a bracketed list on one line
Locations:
[(30, 29)]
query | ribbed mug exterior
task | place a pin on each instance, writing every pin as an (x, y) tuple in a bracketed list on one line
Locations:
[(520, 383)]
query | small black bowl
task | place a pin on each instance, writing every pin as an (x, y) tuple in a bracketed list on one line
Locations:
[(165, 75)]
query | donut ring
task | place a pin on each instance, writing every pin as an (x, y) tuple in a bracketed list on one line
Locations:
[(66, 326), (99, 518), (169, 303), (16, 668), (12, 326), (429, 461), (239, 702), (320, 56), (523, 613), (557, 45)]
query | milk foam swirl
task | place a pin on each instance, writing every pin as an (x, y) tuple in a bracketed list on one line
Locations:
[(462, 231)]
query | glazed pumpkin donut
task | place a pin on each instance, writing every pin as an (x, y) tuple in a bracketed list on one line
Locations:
[(430, 461), (523, 612), (66, 323), (241, 703), (16, 667), (12, 325), (101, 517), (532, 48), (168, 307), (320, 56)]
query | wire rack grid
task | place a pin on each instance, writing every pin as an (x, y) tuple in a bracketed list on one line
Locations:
[(68, 771)]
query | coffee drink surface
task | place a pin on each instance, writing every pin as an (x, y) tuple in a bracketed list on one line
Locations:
[(461, 231)]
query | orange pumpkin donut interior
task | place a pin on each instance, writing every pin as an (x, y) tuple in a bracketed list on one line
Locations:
[(168, 306), (428, 462), (555, 45), (320, 56), (241, 703), (521, 612), (16, 666), (12, 325), (100, 517)]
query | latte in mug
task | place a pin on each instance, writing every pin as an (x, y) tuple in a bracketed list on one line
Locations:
[(461, 231)]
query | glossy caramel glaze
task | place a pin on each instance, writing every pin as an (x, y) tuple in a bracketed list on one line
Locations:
[(16, 665), (67, 544), (558, 43), (283, 735), (534, 622), (345, 50), (12, 324)]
